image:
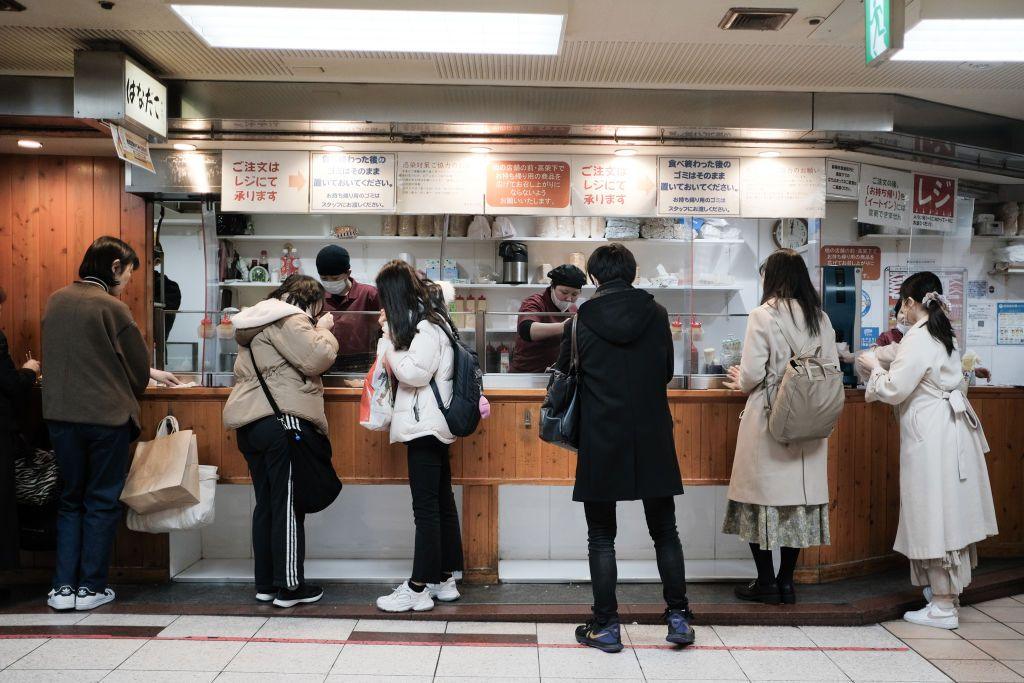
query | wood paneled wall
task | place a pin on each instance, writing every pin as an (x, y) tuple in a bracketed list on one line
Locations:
[(51, 210)]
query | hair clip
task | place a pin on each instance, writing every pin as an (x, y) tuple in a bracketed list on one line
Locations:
[(935, 296)]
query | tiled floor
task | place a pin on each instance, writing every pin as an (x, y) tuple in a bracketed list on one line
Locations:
[(988, 647)]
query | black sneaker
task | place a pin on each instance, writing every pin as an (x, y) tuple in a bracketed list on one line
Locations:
[(757, 592), (607, 638), (305, 593), (679, 630)]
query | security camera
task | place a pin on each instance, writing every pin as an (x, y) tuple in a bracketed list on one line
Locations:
[(815, 21), (106, 4)]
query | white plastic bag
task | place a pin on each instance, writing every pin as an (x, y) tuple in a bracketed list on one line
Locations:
[(193, 516), (479, 228), (376, 405), (503, 228)]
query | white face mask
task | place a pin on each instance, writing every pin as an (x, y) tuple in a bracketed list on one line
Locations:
[(902, 327), (563, 306), (336, 287)]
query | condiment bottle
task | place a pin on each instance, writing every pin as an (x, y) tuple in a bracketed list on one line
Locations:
[(504, 359), (481, 304), (696, 335), (225, 330), (206, 328), (460, 310)]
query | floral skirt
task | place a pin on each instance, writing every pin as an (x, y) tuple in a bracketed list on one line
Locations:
[(770, 526)]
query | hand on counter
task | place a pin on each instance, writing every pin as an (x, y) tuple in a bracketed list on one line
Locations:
[(33, 365), (733, 381), (163, 377)]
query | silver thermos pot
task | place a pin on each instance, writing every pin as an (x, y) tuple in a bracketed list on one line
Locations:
[(515, 265)]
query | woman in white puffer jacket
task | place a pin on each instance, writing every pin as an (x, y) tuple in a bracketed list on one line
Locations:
[(418, 351)]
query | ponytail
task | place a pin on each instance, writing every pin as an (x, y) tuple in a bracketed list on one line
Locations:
[(926, 288)]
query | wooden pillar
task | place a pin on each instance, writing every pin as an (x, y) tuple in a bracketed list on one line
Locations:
[(480, 533)]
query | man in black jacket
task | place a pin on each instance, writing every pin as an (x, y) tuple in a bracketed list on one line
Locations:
[(626, 450)]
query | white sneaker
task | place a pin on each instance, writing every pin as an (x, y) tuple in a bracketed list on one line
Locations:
[(62, 598), (265, 597), (404, 599), (87, 599), (445, 592), (934, 616)]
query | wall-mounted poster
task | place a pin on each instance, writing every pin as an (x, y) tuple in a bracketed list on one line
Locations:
[(981, 323), (868, 259), (782, 188), (698, 186), (535, 185), (884, 198), (258, 181), (614, 186), (842, 178), (954, 286), (356, 182), (1010, 323), (934, 203), (440, 183)]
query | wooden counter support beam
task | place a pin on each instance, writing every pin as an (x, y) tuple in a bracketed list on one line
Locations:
[(480, 533)]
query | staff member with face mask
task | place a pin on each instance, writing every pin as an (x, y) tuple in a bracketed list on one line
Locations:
[(539, 334), (356, 334), (895, 335)]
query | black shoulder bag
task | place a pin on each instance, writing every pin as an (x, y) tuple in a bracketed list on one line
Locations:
[(560, 412), (315, 484)]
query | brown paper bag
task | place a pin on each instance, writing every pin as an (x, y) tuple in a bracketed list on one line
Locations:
[(165, 471)]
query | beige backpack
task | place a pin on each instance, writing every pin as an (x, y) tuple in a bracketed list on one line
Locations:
[(809, 398)]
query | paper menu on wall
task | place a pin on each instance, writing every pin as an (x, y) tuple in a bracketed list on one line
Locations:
[(980, 323), (1010, 323)]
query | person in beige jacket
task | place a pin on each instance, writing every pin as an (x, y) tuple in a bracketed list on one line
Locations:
[(291, 341), (778, 493)]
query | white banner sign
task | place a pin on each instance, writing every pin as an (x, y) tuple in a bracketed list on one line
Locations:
[(842, 178), (884, 197), (145, 99), (782, 188), (441, 183), (258, 181), (614, 186), (354, 182), (691, 186)]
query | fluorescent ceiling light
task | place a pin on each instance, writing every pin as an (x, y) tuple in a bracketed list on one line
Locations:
[(479, 150), (297, 28), (184, 147), (769, 154), (332, 148), (625, 152), (963, 40), (30, 144)]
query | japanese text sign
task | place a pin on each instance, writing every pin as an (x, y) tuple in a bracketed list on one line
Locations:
[(884, 197), (614, 186), (934, 203), (868, 259), (689, 186), (132, 148), (264, 182), (1010, 323), (841, 178), (357, 182), (528, 185), (440, 183), (782, 188), (145, 99)]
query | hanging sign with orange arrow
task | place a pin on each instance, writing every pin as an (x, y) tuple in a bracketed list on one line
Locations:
[(614, 186), (260, 181), (356, 182)]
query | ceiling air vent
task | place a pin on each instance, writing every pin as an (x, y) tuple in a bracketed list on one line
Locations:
[(755, 19)]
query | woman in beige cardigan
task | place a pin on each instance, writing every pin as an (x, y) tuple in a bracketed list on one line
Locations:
[(778, 493)]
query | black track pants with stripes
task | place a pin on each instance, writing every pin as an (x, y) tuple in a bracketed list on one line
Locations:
[(278, 536)]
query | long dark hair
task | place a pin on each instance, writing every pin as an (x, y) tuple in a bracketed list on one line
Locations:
[(407, 299), (786, 280), (301, 291), (917, 287), (100, 257)]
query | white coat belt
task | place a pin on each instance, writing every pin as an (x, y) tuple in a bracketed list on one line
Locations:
[(962, 409)]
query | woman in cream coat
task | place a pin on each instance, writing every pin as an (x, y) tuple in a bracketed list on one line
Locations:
[(945, 498), (778, 493)]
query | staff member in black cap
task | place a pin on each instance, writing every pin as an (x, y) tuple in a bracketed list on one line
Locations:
[(540, 334), (356, 334)]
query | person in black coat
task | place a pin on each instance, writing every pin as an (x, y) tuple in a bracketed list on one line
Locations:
[(15, 385), (626, 449)]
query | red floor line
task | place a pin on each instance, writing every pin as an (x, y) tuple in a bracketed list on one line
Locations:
[(467, 643)]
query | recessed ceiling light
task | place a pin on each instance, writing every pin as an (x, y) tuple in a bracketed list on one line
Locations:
[(769, 154), (184, 147), (30, 144), (297, 28), (625, 152), (331, 148), (479, 150), (963, 40)]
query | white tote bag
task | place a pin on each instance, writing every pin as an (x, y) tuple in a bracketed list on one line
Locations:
[(183, 518)]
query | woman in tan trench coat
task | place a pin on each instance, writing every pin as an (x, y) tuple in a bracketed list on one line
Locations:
[(778, 493)]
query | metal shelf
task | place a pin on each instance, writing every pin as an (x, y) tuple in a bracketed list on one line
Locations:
[(327, 239)]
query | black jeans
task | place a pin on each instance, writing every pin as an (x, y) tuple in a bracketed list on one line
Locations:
[(661, 522), (93, 462), (278, 531), (438, 539)]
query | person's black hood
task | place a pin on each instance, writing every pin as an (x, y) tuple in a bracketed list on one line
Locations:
[(619, 314)]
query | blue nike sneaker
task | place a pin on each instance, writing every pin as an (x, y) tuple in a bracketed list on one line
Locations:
[(679, 630), (607, 638)]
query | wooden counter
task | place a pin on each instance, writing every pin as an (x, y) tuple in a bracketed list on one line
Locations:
[(863, 464)]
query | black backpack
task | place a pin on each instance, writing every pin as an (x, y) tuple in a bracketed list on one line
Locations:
[(463, 413)]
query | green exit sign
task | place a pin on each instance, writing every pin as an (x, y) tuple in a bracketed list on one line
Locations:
[(883, 29)]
